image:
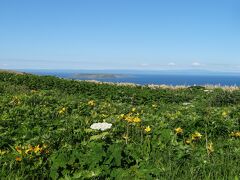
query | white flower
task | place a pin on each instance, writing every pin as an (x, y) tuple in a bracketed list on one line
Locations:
[(101, 126)]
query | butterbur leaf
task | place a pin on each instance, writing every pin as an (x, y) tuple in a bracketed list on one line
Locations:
[(53, 173), (60, 160), (115, 154), (95, 155), (120, 173)]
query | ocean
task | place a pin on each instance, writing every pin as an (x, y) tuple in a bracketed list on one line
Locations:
[(148, 78)]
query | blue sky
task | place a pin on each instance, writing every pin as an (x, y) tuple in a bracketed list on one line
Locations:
[(120, 34)]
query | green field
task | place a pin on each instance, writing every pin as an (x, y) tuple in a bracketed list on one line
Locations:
[(163, 133)]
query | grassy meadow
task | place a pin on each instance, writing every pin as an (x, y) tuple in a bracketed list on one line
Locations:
[(155, 133)]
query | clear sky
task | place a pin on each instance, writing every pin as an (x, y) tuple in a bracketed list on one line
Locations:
[(120, 34)]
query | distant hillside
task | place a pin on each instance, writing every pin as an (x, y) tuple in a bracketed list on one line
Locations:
[(53, 128), (11, 71), (97, 76)]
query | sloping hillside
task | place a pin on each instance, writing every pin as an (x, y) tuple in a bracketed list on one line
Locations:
[(48, 130)]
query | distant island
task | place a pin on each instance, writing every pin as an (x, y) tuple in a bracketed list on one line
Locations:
[(98, 76)]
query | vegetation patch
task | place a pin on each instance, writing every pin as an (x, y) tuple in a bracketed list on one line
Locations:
[(51, 128)]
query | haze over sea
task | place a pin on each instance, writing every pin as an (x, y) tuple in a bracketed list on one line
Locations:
[(187, 77)]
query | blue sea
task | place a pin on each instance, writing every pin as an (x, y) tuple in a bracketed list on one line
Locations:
[(144, 78)]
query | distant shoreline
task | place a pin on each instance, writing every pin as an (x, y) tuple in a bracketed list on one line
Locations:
[(208, 87), (100, 78)]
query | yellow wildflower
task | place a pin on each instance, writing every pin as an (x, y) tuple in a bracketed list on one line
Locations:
[(15, 101), (178, 130), (196, 136), (147, 129), (128, 118), (2, 152), (131, 119), (188, 141), (122, 115), (37, 149), (30, 148), (224, 114), (136, 120), (18, 159), (91, 103), (235, 134), (133, 109), (61, 111), (18, 149), (28, 151)]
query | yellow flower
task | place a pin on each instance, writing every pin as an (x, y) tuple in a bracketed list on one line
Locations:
[(147, 129), (18, 159), (18, 149), (122, 115), (61, 111), (131, 119), (30, 148), (2, 152), (178, 130), (136, 120), (28, 151), (196, 136), (133, 109), (235, 134), (188, 141), (37, 149), (224, 114), (15, 101), (91, 103), (128, 118)]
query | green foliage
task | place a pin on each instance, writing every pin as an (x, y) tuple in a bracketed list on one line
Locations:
[(156, 133), (222, 98)]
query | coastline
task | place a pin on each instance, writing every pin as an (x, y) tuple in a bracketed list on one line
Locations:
[(151, 86), (164, 86)]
